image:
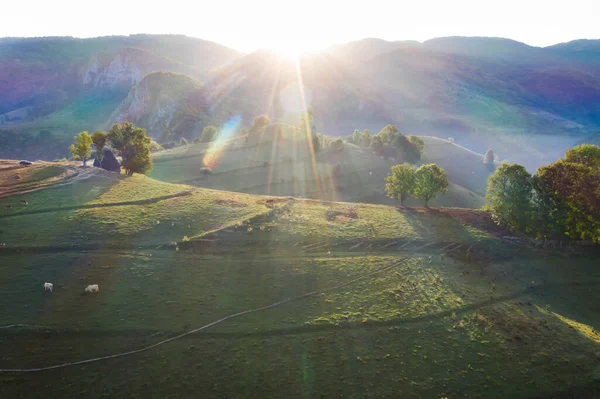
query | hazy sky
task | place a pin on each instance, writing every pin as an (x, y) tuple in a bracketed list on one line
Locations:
[(306, 24)]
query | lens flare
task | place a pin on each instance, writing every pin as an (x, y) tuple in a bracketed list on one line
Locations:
[(227, 131)]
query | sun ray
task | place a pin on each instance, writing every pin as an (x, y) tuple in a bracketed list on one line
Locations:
[(307, 128)]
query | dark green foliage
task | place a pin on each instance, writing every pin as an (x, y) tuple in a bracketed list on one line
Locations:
[(390, 141), (337, 144), (430, 180), (509, 196), (571, 195), (585, 154), (99, 139), (133, 145), (559, 201), (418, 142), (208, 134), (388, 134), (377, 145), (406, 150), (401, 183)]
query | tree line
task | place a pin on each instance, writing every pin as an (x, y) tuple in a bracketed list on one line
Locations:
[(125, 139), (390, 143), (560, 201)]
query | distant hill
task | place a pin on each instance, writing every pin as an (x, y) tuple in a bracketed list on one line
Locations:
[(526, 103)]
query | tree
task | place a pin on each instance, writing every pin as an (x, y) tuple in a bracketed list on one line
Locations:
[(488, 160), (99, 139), (572, 191), (388, 134), (377, 145), (406, 151), (133, 145), (509, 197), (307, 126), (401, 183), (418, 142), (361, 139), (208, 134), (585, 154), (337, 144), (430, 180), (260, 121), (82, 146)]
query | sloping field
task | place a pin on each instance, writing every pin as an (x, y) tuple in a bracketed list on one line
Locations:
[(280, 165), (342, 299)]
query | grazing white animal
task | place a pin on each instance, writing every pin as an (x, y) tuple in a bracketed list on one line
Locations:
[(328, 252), (92, 288), (48, 287)]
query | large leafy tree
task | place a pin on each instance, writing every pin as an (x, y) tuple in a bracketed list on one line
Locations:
[(509, 197), (430, 180), (388, 134), (99, 139), (572, 191), (401, 183), (82, 146), (585, 154), (133, 145)]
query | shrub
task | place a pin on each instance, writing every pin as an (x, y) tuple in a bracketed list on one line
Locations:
[(206, 171), (337, 144), (208, 134)]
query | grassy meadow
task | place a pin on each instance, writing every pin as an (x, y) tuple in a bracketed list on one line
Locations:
[(448, 311), (278, 162)]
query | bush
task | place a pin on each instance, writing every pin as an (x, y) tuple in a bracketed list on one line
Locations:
[(209, 134), (337, 144), (206, 171), (260, 122)]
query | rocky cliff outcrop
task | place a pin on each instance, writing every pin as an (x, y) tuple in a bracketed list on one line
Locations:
[(165, 103)]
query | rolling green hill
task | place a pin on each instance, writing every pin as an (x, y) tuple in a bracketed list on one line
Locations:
[(278, 162), (387, 302)]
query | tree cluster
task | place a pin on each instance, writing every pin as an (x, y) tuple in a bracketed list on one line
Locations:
[(424, 183), (389, 142), (560, 201), (126, 139)]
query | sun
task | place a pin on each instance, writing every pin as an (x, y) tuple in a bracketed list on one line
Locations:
[(292, 49)]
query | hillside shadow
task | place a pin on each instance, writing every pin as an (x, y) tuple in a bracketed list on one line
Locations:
[(92, 206)]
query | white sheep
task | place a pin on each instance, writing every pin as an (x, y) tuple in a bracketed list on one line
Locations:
[(92, 288), (48, 287)]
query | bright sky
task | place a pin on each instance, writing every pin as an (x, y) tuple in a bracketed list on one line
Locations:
[(306, 24)]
